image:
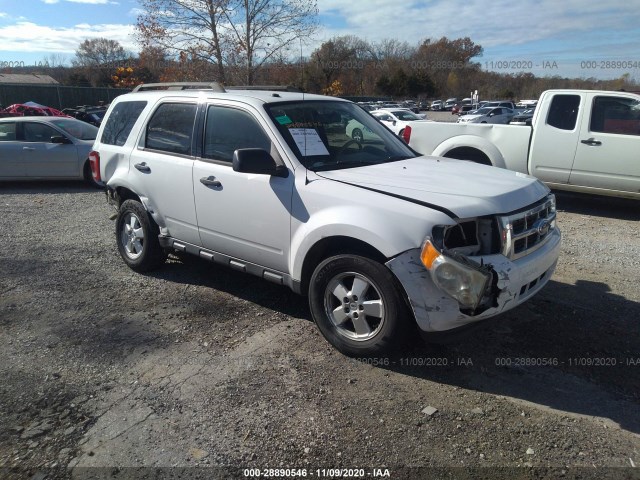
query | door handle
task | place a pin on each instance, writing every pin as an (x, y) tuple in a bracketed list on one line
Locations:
[(210, 181), (31, 149), (591, 142), (143, 167)]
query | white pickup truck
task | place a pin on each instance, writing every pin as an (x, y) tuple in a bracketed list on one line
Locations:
[(579, 140)]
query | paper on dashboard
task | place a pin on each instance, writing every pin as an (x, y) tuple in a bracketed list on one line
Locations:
[(308, 141)]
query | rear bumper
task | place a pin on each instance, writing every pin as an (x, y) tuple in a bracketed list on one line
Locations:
[(518, 280)]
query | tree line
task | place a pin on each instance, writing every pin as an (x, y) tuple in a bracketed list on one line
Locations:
[(251, 42)]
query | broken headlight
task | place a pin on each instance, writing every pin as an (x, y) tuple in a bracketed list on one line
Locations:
[(456, 275)]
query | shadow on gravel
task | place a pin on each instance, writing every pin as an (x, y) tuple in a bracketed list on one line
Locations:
[(598, 206), (574, 349), (191, 270)]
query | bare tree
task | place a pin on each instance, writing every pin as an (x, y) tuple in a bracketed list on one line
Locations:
[(243, 34), (191, 27), (262, 29)]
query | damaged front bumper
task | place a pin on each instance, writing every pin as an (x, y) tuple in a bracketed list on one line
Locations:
[(516, 281)]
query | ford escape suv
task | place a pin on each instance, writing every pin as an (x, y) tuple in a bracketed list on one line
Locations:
[(268, 182)]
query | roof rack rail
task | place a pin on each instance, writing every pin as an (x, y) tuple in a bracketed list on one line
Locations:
[(215, 86), (271, 88)]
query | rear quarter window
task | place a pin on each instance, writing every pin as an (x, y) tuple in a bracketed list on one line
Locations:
[(120, 122)]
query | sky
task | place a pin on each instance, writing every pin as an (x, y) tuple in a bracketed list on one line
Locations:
[(570, 38)]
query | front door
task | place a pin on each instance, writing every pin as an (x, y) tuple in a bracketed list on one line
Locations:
[(43, 158), (245, 216)]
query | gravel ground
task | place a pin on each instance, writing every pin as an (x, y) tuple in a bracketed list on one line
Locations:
[(199, 371)]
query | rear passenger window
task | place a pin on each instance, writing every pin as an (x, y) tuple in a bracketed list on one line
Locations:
[(120, 122), (229, 129), (170, 129), (615, 115), (563, 112)]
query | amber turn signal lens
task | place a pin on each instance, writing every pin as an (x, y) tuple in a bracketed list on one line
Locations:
[(428, 254)]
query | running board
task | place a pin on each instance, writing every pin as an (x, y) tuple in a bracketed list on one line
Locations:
[(272, 276)]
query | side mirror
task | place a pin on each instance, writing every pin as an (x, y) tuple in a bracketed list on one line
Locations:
[(60, 139), (258, 161), (394, 123)]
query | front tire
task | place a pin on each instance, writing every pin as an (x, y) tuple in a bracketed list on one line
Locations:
[(137, 238), (358, 305), (357, 135)]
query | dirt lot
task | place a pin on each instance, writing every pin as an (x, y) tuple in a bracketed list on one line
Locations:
[(105, 373)]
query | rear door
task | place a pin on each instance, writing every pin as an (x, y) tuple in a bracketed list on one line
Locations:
[(11, 165), (608, 151), (43, 158), (555, 137), (161, 166)]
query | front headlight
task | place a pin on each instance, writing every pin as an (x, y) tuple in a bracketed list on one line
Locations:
[(463, 281)]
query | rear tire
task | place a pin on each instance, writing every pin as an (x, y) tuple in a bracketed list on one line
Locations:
[(357, 135), (358, 305), (137, 237)]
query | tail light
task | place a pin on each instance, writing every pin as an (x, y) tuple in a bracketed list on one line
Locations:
[(94, 161), (406, 134)]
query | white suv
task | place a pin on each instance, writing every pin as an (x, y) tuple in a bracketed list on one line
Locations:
[(269, 183)]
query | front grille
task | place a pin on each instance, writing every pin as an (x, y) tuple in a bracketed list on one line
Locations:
[(527, 230)]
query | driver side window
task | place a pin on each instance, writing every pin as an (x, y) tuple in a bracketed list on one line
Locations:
[(38, 132)]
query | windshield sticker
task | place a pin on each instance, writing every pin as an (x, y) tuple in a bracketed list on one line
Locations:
[(308, 142), (284, 120)]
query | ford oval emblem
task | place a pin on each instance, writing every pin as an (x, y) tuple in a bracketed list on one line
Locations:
[(542, 226)]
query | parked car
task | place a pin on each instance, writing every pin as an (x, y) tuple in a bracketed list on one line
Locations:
[(437, 105), (488, 115), (397, 119), (41, 148), (523, 118), (30, 109), (461, 109), (359, 132), (450, 103), (500, 103), (376, 236), (86, 113), (527, 104)]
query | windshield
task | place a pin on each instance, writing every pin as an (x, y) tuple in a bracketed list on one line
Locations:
[(76, 128), (330, 135), (484, 110)]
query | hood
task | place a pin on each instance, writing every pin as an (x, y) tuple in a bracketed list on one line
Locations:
[(464, 188)]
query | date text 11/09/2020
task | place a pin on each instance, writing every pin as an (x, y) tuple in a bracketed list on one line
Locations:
[(318, 473), (571, 362)]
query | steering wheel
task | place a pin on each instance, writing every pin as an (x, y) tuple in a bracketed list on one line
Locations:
[(346, 145)]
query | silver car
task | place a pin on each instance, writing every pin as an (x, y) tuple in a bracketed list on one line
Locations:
[(501, 115), (44, 148)]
